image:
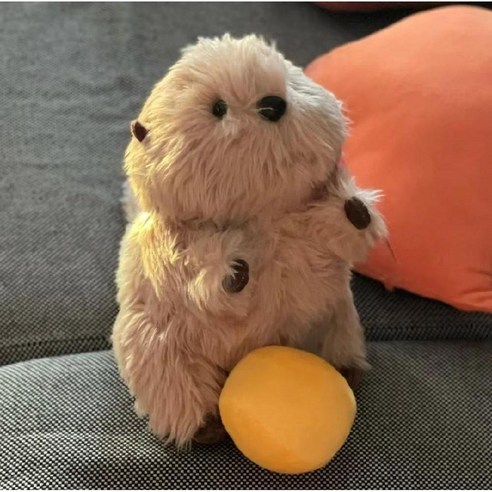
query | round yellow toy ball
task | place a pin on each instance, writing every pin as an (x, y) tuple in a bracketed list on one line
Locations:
[(287, 410)]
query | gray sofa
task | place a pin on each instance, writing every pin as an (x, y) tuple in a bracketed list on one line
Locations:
[(73, 76)]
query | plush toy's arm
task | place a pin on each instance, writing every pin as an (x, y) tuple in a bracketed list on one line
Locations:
[(344, 219), (220, 263)]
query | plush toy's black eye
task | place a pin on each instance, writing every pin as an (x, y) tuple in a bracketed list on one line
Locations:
[(239, 279), (219, 109)]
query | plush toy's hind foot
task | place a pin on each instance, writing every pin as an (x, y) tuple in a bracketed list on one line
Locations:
[(211, 432), (353, 375)]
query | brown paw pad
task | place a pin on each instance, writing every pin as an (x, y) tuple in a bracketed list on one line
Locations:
[(211, 432), (357, 213)]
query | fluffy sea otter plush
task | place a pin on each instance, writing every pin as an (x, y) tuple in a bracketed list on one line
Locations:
[(243, 226)]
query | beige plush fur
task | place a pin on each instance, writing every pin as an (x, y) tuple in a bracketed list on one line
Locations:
[(204, 192)]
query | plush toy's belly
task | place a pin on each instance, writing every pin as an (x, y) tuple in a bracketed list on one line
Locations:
[(294, 279), (294, 291)]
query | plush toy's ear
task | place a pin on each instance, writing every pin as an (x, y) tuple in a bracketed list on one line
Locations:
[(138, 130)]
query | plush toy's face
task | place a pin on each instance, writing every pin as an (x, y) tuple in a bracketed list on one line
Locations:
[(233, 129)]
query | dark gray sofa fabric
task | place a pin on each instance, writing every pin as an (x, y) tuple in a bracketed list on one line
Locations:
[(424, 421), (400, 315), (73, 76)]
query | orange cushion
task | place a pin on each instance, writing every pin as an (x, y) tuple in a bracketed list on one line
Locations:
[(419, 94)]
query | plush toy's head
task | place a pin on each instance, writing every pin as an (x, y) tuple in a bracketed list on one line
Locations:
[(231, 130)]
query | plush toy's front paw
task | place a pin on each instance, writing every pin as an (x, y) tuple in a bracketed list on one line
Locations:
[(357, 213), (211, 432), (366, 223), (353, 375)]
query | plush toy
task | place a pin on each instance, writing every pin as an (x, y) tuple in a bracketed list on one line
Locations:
[(287, 410), (243, 228)]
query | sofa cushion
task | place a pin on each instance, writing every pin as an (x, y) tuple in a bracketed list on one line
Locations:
[(418, 94), (400, 315), (424, 417), (68, 94), (73, 77)]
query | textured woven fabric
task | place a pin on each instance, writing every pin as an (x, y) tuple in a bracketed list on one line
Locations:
[(399, 315), (424, 421), (73, 76)]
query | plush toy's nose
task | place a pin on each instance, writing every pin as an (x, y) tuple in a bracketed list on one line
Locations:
[(272, 108)]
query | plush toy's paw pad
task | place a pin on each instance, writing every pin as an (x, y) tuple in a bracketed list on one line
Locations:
[(357, 213), (353, 375), (239, 279), (211, 432)]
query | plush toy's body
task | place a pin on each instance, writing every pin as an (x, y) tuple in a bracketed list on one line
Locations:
[(239, 234)]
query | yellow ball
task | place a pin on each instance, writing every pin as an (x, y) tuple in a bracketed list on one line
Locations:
[(287, 410)]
